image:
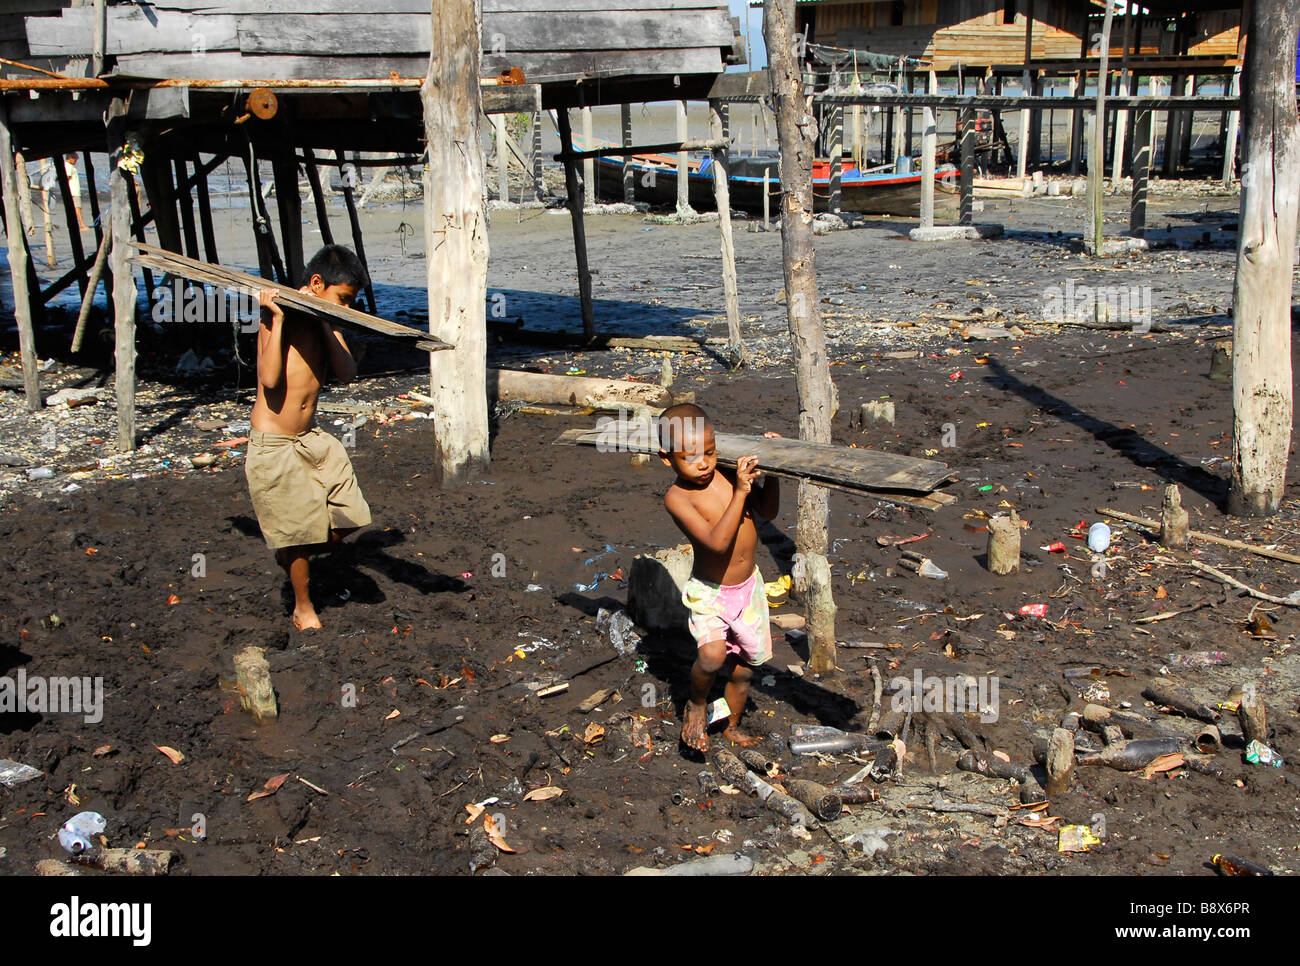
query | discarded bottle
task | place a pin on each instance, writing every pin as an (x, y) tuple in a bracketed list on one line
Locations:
[(1235, 865), (825, 803), (831, 745), (1098, 538), (78, 832), (1135, 754), (708, 784), (40, 472), (758, 762)]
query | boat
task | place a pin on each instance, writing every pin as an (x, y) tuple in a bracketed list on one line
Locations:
[(883, 191)]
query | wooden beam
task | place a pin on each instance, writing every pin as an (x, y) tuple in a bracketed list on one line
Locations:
[(318, 198), (835, 150), (124, 290), (629, 177), (186, 202), (683, 179), (591, 195), (577, 201), (1142, 147), (966, 122), (205, 211), (1097, 151), (18, 262), (1230, 136), (288, 204)]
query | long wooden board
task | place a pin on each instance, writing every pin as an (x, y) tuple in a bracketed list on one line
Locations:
[(905, 478), (162, 260)]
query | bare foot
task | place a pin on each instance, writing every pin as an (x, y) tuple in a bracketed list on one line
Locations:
[(739, 738), (305, 619), (693, 727)]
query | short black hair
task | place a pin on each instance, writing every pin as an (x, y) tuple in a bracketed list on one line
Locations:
[(674, 422), (337, 265)]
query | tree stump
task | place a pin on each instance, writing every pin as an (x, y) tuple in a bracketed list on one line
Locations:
[(1221, 360), (1060, 762), (1004, 543), (254, 677), (1251, 716), (876, 411), (1173, 519)]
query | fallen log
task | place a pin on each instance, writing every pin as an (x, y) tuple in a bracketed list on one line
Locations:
[(543, 387), (1154, 527), (129, 861), (938, 804), (1180, 699), (1234, 582)]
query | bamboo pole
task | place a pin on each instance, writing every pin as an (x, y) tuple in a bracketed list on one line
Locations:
[(18, 263), (722, 197)]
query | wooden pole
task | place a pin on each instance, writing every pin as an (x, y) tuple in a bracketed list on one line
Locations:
[(318, 198), (1022, 149), (288, 204), (92, 195), (683, 180), (836, 153), (929, 145), (1097, 150), (124, 290), (205, 211), (539, 186), (358, 242), (590, 194), (18, 259), (50, 260), (96, 271), (722, 197), (1121, 116), (262, 239), (629, 176), (796, 130), (186, 202), (577, 202), (1142, 130), (99, 38), (456, 242), (503, 161), (1270, 192), (24, 193), (966, 121), (1230, 136), (157, 177), (70, 217), (137, 224), (767, 200)]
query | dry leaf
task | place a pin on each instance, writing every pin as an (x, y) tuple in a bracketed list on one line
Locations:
[(171, 753), (1163, 763), (1161, 593), (705, 849), (542, 794), (270, 788), (594, 733), (494, 836), (474, 812), (101, 751)]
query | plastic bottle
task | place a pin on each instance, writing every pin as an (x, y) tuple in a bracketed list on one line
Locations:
[(1235, 865), (1098, 537), (40, 472), (78, 832)]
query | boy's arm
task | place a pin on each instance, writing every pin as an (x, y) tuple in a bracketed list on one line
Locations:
[(341, 360), (270, 343), (718, 537)]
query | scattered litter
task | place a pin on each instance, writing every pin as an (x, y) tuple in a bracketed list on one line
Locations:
[(15, 773), (718, 710), (1034, 610), (1258, 753), (1076, 838), (1235, 865), (616, 626), (77, 833), (1098, 537)]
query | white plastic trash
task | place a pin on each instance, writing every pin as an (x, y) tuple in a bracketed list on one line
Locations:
[(1098, 537), (77, 833)]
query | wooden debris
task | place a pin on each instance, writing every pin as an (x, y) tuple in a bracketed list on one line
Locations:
[(53, 867), (1060, 762), (1154, 527), (254, 678), (1180, 699), (824, 803), (129, 861), (553, 690), (1252, 717), (594, 701), (1004, 543), (938, 804), (1173, 519), (542, 387), (1234, 582)]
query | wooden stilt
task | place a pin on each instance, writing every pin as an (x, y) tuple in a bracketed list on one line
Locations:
[(137, 223), (185, 201), (1230, 135), (92, 193), (268, 259), (358, 243), (318, 198), (1097, 150), (722, 198), (1172, 118), (539, 186), (156, 175), (591, 195), (836, 153), (124, 291), (1022, 148), (288, 204), (503, 157), (24, 194), (683, 180), (1142, 130), (205, 211), (966, 121), (70, 217), (48, 216), (577, 202), (629, 176), (1185, 126), (18, 262)]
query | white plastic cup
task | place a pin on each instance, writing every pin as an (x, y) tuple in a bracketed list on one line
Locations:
[(1098, 537)]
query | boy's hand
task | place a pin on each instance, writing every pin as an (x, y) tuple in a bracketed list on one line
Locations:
[(746, 473), (266, 299)]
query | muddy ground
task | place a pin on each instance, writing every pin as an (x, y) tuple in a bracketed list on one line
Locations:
[(444, 644)]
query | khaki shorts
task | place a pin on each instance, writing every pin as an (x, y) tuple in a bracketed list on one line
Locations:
[(302, 487)]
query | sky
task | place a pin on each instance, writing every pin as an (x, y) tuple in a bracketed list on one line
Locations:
[(754, 17)]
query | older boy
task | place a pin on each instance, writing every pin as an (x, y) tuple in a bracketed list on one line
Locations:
[(724, 594), (299, 477)]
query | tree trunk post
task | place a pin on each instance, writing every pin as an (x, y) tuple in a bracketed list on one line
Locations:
[(629, 175), (1270, 190), (455, 240), (722, 197), (929, 145), (124, 290), (796, 129), (15, 180), (577, 202)]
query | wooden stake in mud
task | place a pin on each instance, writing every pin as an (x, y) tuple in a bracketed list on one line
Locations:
[(1060, 762), (796, 131), (253, 675), (1004, 543), (577, 201), (455, 240), (629, 176), (124, 290), (318, 198), (1252, 717), (18, 259), (1173, 519), (929, 145), (588, 164), (1262, 392), (722, 197)]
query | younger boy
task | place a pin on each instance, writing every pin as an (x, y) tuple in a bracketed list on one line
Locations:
[(725, 592), (299, 477)]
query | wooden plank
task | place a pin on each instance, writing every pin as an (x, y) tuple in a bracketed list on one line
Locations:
[(230, 279), (861, 469), (223, 7), (131, 30), (308, 34)]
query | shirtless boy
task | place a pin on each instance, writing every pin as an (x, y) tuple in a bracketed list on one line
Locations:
[(301, 481), (715, 509)]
